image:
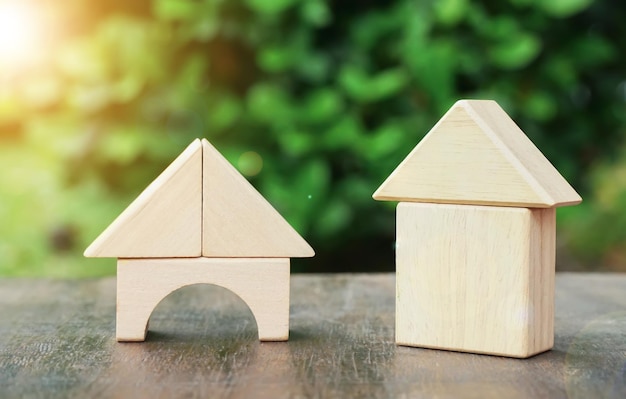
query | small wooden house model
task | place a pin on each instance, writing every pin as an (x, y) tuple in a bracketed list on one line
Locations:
[(201, 221), (475, 246)]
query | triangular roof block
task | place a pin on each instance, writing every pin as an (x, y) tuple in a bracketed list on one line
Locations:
[(165, 220), (476, 154), (238, 221), (200, 206)]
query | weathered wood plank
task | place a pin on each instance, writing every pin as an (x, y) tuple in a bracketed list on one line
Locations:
[(57, 339)]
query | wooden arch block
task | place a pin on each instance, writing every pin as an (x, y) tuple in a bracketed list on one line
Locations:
[(263, 284)]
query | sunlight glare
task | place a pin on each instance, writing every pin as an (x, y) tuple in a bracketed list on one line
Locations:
[(18, 32)]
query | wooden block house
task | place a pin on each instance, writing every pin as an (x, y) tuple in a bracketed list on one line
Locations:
[(201, 221), (475, 246)]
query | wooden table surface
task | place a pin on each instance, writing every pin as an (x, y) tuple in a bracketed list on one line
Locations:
[(57, 341)]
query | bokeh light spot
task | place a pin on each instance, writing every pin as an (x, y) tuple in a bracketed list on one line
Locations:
[(19, 33), (250, 163)]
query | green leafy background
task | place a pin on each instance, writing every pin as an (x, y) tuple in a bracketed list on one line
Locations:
[(314, 101)]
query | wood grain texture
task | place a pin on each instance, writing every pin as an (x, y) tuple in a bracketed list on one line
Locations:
[(263, 284), (476, 154), (475, 278), (238, 221), (164, 220), (57, 340)]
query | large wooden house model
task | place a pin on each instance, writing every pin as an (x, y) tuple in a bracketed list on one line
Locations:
[(475, 245), (201, 221)]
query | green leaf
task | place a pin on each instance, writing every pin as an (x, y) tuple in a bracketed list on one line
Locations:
[(358, 189), (270, 7), (346, 133), (450, 12), (596, 49), (562, 71), (268, 103), (384, 141), (83, 61), (296, 143), (91, 98), (388, 83), (323, 104), (433, 67), (123, 145), (359, 86), (313, 177), (354, 82), (516, 53), (175, 9), (335, 217), (225, 112), (313, 66), (503, 28), (524, 3), (127, 88), (316, 13), (274, 58), (564, 8), (540, 106)]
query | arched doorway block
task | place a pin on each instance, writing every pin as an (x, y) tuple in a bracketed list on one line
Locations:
[(262, 283)]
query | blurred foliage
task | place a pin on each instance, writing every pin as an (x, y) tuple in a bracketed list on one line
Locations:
[(315, 101)]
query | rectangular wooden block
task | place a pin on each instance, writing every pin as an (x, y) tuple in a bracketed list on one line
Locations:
[(475, 278), (262, 283)]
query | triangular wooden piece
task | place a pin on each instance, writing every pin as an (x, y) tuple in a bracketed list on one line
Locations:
[(476, 154), (237, 220), (165, 220)]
